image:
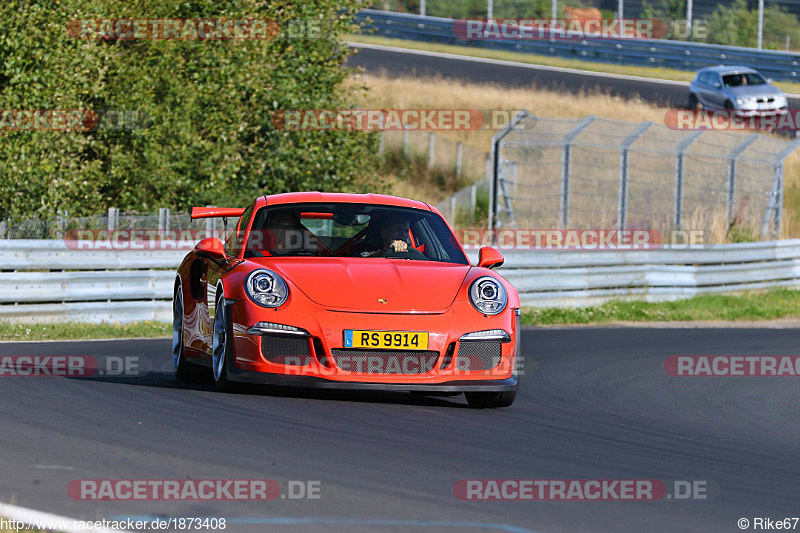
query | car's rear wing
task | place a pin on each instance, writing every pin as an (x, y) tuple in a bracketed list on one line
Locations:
[(213, 212)]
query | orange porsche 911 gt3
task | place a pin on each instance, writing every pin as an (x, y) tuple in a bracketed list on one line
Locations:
[(348, 291)]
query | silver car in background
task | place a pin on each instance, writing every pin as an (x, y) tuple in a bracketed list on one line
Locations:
[(739, 89)]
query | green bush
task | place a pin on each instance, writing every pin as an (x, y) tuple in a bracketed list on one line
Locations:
[(210, 140)]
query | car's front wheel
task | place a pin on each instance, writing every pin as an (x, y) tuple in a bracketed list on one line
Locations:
[(220, 355), (490, 400), (694, 103)]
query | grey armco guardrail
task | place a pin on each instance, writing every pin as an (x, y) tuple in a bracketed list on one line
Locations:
[(679, 55), (45, 281)]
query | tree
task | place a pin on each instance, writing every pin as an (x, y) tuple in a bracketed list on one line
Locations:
[(208, 139)]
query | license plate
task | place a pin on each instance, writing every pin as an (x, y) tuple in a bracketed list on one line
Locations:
[(406, 340)]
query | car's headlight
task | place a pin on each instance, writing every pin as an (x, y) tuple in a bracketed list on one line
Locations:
[(741, 101), (266, 288), (488, 295)]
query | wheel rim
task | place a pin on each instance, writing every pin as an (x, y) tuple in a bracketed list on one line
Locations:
[(219, 341), (177, 328)]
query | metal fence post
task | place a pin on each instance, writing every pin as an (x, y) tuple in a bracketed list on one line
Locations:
[(381, 142), (503, 189), (459, 154), (163, 219), (431, 141), (473, 198), (61, 223), (497, 138), (3, 229), (778, 220), (623, 172), (735, 153), (565, 160), (680, 150), (772, 208), (405, 143), (113, 218)]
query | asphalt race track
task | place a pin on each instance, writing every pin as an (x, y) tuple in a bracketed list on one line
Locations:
[(594, 403), (377, 60)]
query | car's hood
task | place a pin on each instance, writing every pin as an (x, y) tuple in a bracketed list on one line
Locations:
[(755, 90), (362, 283)]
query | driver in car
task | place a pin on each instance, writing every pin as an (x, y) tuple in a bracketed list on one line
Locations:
[(395, 237)]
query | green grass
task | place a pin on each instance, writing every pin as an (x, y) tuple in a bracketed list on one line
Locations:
[(520, 57), (750, 306), (76, 330)]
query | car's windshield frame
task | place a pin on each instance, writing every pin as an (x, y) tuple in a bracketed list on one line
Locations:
[(348, 230)]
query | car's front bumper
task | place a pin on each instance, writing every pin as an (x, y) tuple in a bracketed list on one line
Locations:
[(755, 112), (311, 382), (324, 330)]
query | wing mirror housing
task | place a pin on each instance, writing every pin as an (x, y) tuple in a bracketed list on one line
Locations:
[(211, 248), (489, 257)]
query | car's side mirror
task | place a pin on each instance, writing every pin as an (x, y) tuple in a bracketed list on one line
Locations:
[(488, 257), (716, 85), (769, 81), (211, 248)]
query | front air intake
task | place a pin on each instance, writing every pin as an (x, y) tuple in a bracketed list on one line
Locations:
[(478, 355), (285, 350)]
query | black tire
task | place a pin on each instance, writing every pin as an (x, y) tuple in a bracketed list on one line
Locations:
[(694, 103), (221, 347), (490, 400), (728, 105), (183, 369)]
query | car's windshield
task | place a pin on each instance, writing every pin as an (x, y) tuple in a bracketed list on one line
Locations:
[(743, 78), (352, 230)]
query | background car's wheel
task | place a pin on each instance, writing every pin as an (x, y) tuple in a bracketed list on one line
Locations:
[(183, 369), (220, 356), (488, 400), (694, 103), (728, 105)]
